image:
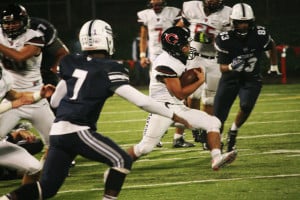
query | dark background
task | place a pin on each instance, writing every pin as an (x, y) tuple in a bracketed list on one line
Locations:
[(280, 17)]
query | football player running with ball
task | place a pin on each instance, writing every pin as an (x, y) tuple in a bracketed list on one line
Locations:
[(239, 54), (153, 22), (87, 80), (205, 19), (165, 86)]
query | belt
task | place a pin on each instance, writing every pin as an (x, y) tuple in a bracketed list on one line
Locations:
[(207, 57)]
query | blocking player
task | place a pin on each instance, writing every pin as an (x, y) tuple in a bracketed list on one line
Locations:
[(20, 48)]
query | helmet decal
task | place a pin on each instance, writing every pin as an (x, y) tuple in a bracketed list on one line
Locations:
[(172, 38)]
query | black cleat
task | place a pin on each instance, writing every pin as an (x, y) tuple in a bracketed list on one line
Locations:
[(180, 142), (201, 136), (196, 135), (159, 145)]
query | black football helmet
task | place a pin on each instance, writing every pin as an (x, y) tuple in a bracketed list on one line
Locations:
[(157, 5), (213, 5), (173, 39), (14, 20)]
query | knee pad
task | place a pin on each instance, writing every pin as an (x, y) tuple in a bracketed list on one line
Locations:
[(215, 124)]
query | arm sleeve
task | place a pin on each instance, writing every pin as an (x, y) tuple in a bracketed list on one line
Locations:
[(60, 92), (142, 101)]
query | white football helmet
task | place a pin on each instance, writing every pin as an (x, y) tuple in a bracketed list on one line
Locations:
[(242, 11), (96, 35)]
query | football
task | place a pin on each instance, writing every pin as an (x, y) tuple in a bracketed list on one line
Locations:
[(188, 77)]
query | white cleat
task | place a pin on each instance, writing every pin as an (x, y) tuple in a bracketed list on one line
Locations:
[(223, 160)]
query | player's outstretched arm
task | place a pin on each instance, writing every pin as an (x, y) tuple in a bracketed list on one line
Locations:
[(148, 104)]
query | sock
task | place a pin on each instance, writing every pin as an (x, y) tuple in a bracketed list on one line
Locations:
[(4, 197), (108, 197), (176, 135), (234, 127), (215, 153)]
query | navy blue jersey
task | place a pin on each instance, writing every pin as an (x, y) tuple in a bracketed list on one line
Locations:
[(90, 81), (250, 49), (45, 27)]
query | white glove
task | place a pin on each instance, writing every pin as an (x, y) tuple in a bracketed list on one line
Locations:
[(274, 68)]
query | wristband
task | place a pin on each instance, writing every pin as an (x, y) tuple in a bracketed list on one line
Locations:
[(4, 106), (37, 96), (274, 67), (229, 67), (142, 55)]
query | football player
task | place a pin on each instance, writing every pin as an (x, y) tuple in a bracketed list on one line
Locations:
[(21, 50), (87, 80), (165, 86), (205, 19), (13, 156), (153, 22), (53, 50), (239, 54)]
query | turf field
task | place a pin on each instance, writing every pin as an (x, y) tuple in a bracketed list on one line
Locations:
[(267, 166)]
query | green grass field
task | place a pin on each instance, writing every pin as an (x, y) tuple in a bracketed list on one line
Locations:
[(267, 166)]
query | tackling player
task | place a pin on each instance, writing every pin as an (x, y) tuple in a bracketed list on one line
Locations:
[(87, 80), (239, 55)]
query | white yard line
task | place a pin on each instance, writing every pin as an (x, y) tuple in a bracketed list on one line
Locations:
[(187, 182)]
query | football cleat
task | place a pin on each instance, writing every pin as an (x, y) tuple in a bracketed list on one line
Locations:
[(231, 140), (180, 142), (196, 135), (201, 136), (223, 160), (159, 145)]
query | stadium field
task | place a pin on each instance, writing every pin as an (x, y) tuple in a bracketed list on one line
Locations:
[(267, 166)]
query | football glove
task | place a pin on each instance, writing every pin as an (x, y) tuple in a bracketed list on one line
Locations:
[(203, 38), (274, 69), (237, 64)]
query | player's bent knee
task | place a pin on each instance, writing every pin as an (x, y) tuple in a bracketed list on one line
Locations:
[(215, 124), (246, 108), (144, 148)]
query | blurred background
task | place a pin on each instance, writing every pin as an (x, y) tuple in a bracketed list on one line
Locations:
[(280, 17)]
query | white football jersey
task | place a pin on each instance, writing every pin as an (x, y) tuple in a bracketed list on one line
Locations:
[(6, 81), (26, 75), (157, 24), (157, 89), (193, 12)]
